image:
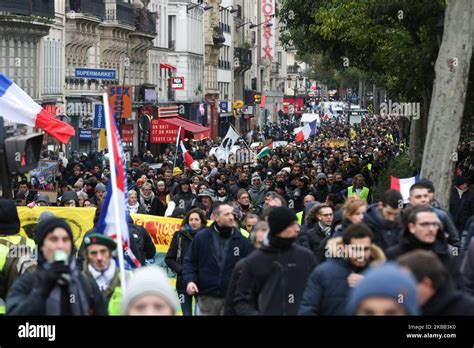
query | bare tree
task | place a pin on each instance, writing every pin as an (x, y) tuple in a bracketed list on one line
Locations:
[(449, 96)]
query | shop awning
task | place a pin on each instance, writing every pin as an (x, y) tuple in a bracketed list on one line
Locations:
[(167, 66), (200, 132)]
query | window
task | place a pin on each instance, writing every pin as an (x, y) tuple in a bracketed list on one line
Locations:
[(172, 32)]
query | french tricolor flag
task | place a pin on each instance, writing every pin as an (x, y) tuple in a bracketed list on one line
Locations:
[(113, 216), (403, 185), (188, 160), (308, 131), (19, 107)]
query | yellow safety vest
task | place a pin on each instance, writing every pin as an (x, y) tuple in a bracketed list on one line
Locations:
[(3, 259), (369, 167), (244, 233), (17, 239), (299, 217), (364, 194)]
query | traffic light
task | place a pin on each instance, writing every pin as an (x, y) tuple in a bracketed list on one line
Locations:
[(23, 152), (257, 98)]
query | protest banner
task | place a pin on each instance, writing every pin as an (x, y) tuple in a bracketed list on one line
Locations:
[(81, 220)]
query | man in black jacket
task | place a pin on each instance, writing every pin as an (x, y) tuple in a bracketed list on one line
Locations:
[(422, 230), (436, 292), (461, 205), (211, 259), (383, 219), (48, 290), (273, 277)]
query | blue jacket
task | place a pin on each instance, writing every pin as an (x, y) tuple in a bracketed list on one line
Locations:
[(201, 266), (327, 289)]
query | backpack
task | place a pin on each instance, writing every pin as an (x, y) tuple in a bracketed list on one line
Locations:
[(21, 259)]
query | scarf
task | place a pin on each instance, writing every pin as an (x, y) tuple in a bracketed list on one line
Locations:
[(326, 229), (147, 201), (133, 208), (103, 279), (280, 243), (224, 232), (59, 300)]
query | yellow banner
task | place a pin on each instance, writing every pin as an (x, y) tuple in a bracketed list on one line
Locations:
[(81, 220), (160, 229), (336, 143)]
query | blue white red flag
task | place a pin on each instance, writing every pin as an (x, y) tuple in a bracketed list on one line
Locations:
[(113, 216)]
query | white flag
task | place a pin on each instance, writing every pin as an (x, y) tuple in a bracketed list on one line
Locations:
[(225, 148)]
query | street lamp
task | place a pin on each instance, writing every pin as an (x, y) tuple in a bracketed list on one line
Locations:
[(233, 9), (205, 8)]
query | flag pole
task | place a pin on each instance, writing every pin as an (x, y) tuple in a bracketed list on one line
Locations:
[(177, 145), (115, 202)]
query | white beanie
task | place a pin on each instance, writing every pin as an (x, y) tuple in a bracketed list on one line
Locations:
[(149, 280)]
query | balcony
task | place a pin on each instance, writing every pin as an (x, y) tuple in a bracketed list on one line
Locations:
[(242, 59), (37, 8), (145, 21), (95, 8), (125, 13)]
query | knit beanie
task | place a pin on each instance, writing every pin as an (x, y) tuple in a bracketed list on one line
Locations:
[(389, 281), (9, 220), (256, 176), (279, 218), (46, 226), (100, 188), (321, 176), (149, 280)]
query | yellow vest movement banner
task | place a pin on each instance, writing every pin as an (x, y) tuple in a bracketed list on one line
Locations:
[(81, 220), (161, 229)]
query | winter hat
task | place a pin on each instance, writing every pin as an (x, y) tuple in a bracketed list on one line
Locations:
[(45, 215), (100, 188), (321, 176), (279, 218), (460, 180), (256, 176), (69, 196), (150, 280), (207, 193), (46, 226), (42, 198), (9, 220), (388, 280), (177, 171)]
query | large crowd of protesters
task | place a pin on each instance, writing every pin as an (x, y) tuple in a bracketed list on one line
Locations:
[(298, 232)]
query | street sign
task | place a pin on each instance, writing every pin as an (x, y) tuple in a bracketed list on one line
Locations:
[(177, 83), (101, 74), (163, 132), (85, 134), (223, 106), (127, 133), (120, 100), (99, 117)]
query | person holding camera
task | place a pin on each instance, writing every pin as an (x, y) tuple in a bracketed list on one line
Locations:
[(56, 287)]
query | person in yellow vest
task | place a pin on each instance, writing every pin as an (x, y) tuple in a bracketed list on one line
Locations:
[(300, 216), (101, 267), (358, 189), (3, 260)]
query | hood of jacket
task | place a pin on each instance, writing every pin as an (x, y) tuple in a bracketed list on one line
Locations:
[(310, 218), (335, 245), (408, 241)]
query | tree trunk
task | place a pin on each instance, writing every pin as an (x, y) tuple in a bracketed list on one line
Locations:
[(448, 98)]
